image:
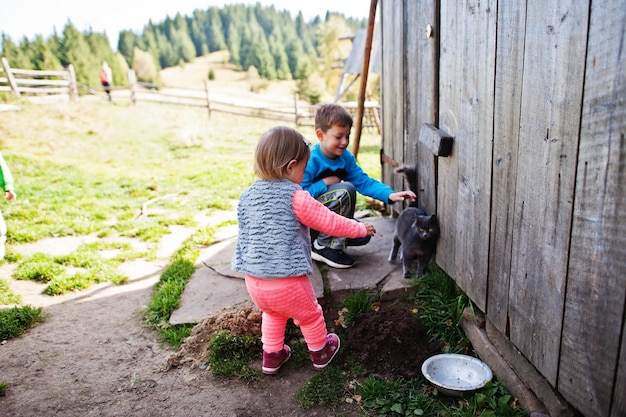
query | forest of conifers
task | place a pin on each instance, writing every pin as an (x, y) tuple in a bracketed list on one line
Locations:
[(277, 45)]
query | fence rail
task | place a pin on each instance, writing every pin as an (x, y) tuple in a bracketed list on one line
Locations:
[(58, 84), (38, 85)]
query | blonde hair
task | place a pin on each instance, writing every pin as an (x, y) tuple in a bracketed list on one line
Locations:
[(276, 148), (329, 115)]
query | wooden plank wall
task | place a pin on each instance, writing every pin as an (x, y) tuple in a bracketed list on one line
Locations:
[(554, 61), (532, 200), (508, 92), (466, 104), (593, 323), (392, 101), (421, 91)]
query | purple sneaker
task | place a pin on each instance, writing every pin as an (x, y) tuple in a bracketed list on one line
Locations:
[(272, 361), (321, 358)]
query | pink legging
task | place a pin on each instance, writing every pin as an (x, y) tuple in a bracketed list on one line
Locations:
[(284, 298)]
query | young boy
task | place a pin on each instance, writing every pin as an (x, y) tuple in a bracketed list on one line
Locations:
[(333, 177)]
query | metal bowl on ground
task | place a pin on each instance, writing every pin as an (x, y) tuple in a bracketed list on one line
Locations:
[(454, 374)]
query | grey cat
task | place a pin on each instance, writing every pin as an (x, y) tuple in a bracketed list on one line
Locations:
[(416, 232)]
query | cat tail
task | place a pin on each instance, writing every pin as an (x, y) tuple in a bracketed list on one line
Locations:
[(410, 175)]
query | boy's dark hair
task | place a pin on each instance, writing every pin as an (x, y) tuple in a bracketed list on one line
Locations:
[(329, 115)]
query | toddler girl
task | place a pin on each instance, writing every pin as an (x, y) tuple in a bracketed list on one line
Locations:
[(274, 248)]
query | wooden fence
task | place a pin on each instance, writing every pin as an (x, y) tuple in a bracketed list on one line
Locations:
[(39, 84), (532, 199), (300, 114)]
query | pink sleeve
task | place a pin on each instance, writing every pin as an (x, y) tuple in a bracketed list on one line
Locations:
[(314, 214)]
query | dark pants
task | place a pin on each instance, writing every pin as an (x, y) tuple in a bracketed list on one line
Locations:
[(341, 199), (107, 88)]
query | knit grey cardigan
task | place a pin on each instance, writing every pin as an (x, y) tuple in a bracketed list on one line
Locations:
[(272, 243)]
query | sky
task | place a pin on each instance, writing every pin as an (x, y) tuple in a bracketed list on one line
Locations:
[(19, 18)]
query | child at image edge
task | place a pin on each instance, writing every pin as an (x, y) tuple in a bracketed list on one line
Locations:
[(6, 183), (274, 248), (333, 177)]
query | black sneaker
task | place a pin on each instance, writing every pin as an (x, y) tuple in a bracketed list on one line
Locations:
[(359, 241), (335, 258)]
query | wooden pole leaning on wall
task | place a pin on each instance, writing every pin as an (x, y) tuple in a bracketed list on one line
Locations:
[(364, 73)]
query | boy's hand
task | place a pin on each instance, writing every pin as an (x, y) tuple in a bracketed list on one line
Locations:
[(370, 229), (331, 180), (402, 195)]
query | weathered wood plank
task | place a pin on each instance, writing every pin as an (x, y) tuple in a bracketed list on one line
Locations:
[(508, 91), (392, 89), (549, 127), (594, 309), (421, 89), (437, 141), (618, 408), (466, 92)]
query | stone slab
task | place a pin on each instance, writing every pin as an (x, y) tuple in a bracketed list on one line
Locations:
[(214, 285), (372, 268)]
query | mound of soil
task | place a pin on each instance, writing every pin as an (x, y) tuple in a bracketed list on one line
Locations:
[(240, 320), (390, 342)]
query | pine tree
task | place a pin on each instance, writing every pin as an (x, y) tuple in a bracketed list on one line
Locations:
[(75, 50), (214, 31), (16, 56), (126, 44), (43, 57)]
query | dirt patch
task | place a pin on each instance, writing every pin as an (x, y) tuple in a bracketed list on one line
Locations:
[(390, 342), (95, 357)]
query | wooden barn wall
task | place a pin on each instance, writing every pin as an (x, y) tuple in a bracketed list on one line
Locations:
[(532, 200), (508, 93), (466, 103), (554, 62), (393, 103), (593, 345), (421, 91)]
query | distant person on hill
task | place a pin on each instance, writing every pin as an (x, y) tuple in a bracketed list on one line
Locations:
[(6, 183), (333, 177), (106, 78), (274, 248)]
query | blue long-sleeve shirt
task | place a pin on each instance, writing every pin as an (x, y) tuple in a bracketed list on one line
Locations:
[(344, 167)]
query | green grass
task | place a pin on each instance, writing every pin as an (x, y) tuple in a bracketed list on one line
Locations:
[(168, 290), (15, 321), (231, 356), (440, 304), (355, 304), (7, 296), (326, 387)]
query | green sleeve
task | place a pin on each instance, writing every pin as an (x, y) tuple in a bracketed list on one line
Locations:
[(6, 179)]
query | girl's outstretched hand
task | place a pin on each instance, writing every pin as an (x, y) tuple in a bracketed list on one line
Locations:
[(371, 231)]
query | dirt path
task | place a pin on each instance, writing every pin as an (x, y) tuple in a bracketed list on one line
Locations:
[(94, 357)]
